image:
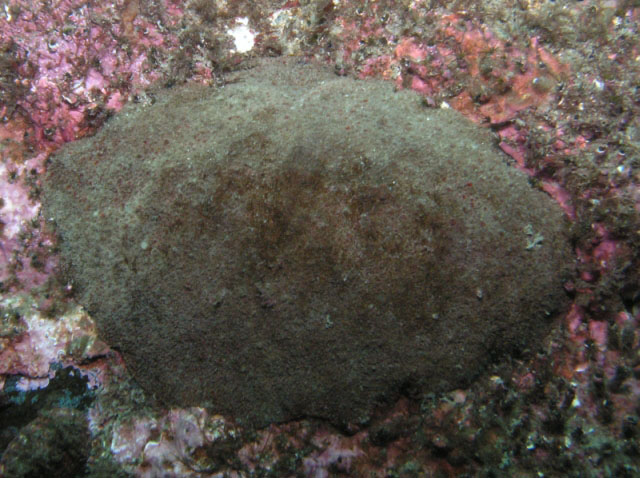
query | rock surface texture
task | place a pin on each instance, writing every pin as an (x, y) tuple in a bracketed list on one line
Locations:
[(300, 244)]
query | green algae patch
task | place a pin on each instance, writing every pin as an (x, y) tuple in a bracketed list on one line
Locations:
[(296, 244)]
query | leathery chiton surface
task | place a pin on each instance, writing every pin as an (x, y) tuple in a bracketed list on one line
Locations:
[(300, 244)]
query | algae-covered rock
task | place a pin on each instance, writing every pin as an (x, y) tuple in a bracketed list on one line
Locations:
[(299, 244), (55, 445)]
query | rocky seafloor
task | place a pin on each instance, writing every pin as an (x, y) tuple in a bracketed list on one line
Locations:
[(555, 83)]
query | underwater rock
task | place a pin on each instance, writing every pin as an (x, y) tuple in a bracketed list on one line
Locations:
[(56, 444), (300, 244)]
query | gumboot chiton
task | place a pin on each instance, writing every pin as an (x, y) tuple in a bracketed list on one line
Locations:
[(299, 244)]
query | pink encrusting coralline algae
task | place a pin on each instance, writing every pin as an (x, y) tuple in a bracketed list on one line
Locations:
[(65, 71), (557, 83)]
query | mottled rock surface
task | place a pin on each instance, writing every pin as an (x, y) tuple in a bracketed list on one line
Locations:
[(299, 244), (54, 445)]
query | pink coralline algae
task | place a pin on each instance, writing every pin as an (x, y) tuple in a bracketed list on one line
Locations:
[(57, 86), (30, 344), (73, 72)]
